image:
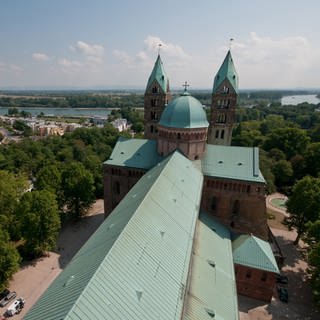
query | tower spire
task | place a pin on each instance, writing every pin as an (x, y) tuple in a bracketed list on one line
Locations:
[(156, 97), (224, 101)]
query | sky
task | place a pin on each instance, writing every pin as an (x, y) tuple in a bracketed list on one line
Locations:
[(110, 44)]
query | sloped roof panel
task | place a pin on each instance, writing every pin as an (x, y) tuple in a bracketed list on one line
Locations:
[(251, 251), (135, 153), (212, 274), (135, 265), (228, 162)]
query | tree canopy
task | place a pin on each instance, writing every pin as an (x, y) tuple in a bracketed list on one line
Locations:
[(304, 204), (39, 220)]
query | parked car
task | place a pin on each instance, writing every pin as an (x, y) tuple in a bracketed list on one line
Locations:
[(15, 307), (3, 294), (282, 279), (10, 296), (283, 294)]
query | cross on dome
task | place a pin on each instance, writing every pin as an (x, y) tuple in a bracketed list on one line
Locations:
[(185, 85)]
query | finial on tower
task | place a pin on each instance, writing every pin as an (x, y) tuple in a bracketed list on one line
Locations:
[(230, 43), (185, 85), (159, 47)]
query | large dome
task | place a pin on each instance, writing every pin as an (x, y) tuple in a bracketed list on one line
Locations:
[(184, 112)]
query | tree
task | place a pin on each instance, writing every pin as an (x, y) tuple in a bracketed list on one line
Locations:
[(266, 168), (304, 204), (11, 189), (291, 141), (49, 178), (9, 259), (313, 239), (22, 126), (78, 189), (40, 222), (283, 173), (312, 159)]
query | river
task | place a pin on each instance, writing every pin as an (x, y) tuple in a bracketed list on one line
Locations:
[(296, 99), (79, 112)]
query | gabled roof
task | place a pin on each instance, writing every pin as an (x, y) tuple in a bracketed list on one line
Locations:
[(229, 162), (135, 266), (159, 75), (212, 283), (184, 112), (135, 153), (253, 252), (226, 71)]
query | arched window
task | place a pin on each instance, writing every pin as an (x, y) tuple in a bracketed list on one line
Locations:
[(222, 134), (116, 187), (217, 134), (236, 208), (264, 276), (151, 128), (214, 203)]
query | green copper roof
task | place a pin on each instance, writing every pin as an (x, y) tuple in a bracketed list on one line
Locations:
[(240, 163), (226, 71), (135, 266), (212, 284), (184, 112), (135, 153), (253, 252), (159, 75)]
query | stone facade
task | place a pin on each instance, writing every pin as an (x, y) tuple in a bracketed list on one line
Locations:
[(223, 112), (191, 142), (255, 283), (239, 205), (117, 183), (155, 100)]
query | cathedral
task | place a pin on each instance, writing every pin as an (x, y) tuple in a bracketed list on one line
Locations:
[(185, 229), (233, 188)]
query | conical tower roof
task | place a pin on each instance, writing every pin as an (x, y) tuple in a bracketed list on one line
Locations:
[(226, 71), (159, 75)]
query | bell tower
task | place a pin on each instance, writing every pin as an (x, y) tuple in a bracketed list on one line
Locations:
[(156, 97), (223, 104)]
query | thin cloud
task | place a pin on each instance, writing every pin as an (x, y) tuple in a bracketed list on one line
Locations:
[(69, 63), (280, 62), (40, 57), (93, 50), (169, 49)]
